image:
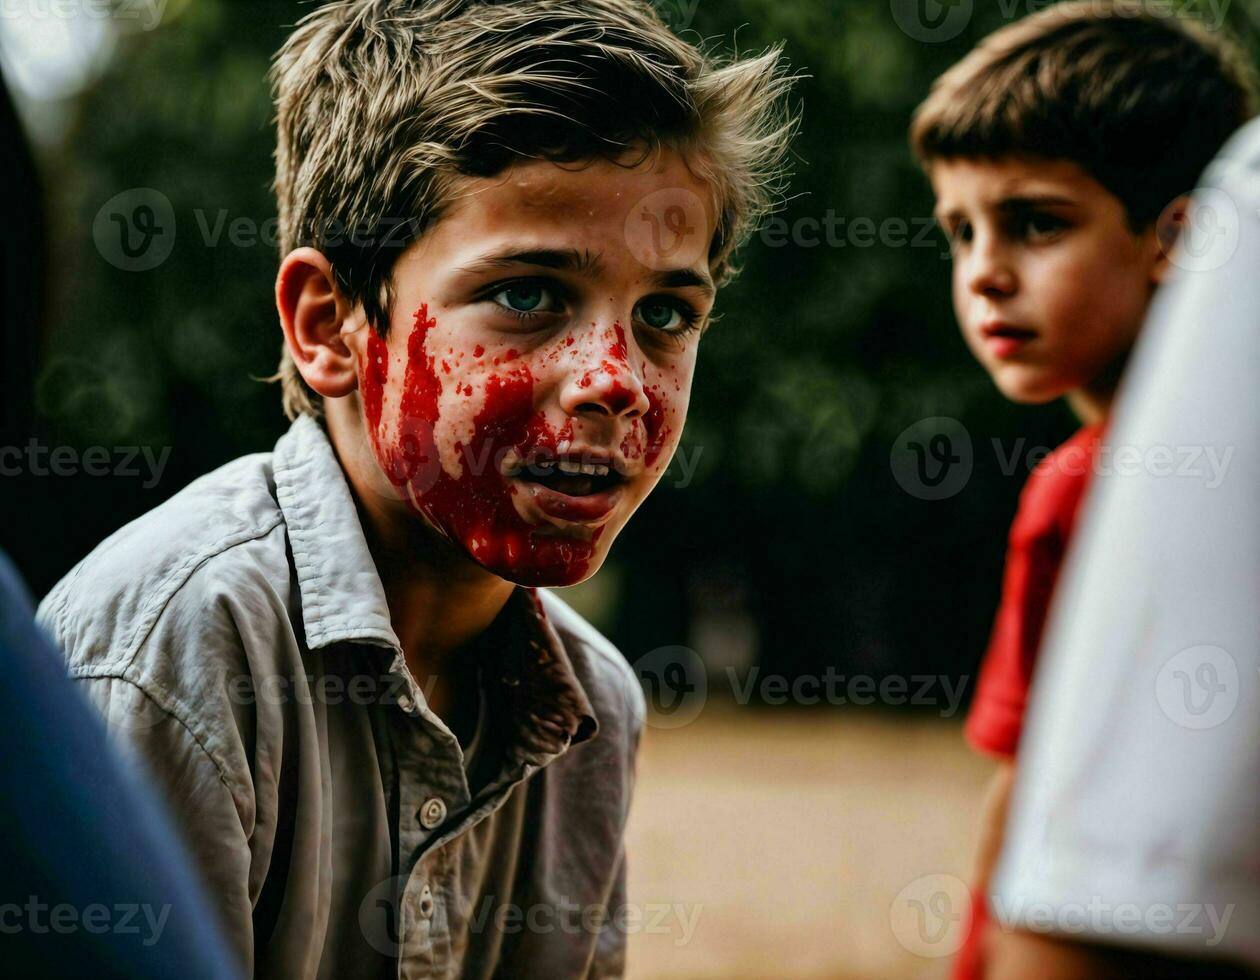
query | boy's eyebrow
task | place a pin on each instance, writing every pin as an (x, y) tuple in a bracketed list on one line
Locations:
[(1024, 201), (1019, 202), (572, 260)]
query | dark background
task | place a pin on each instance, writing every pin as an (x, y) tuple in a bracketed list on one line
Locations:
[(795, 536)]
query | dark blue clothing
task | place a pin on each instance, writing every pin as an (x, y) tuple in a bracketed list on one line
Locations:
[(93, 880)]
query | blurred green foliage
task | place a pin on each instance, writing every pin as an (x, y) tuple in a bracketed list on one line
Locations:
[(823, 355)]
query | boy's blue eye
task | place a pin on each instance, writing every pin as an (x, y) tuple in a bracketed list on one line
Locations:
[(660, 316), (525, 297)]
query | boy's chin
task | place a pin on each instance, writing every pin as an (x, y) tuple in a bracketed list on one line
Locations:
[(1028, 390), (545, 563)]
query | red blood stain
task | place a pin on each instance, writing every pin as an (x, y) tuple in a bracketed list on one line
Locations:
[(375, 370), (570, 341), (478, 351), (648, 441), (511, 355), (620, 350), (475, 508)]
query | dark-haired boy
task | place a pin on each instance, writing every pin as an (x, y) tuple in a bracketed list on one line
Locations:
[(1060, 151)]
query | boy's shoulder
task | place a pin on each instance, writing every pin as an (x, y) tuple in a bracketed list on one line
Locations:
[(601, 669), (1056, 486), (104, 608)]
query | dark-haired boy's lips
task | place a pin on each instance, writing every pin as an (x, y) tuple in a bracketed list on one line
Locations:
[(996, 328)]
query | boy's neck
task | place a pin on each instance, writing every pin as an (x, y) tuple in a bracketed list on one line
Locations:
[(1091, 403), (1090, 408), (440, 604), (440, 601)]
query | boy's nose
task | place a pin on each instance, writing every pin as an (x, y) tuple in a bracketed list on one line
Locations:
[(602, 379), (988, 270)]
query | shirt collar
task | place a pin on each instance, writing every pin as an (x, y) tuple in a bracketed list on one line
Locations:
[(343, 600), (342, 595)]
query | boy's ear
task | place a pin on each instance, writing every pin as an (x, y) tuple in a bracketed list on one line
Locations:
[(312, 313), (1168, 228)]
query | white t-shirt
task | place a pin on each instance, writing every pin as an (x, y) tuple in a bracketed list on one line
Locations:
[(1136, 817)]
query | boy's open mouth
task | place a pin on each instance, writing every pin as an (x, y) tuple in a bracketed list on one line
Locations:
[(574, 475)]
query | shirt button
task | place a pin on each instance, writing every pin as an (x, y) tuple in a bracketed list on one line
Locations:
[(426, 904), (432, 813)]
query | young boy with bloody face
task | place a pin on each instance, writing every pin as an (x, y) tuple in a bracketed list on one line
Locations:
[(503, 228), (1059, 152)]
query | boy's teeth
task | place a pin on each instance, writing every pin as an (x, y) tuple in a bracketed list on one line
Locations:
[(584, 469)]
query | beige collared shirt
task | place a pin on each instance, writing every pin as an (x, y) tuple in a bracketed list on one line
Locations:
[(237, 639)]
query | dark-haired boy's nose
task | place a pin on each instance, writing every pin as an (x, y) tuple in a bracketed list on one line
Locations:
[(602, 379), (988, 269)]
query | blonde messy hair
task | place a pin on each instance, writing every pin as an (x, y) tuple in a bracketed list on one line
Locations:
[(383, 104)]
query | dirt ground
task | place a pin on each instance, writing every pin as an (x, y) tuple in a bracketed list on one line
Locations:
[(777, 845)]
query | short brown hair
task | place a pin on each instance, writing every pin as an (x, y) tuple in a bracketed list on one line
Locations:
[(1141, 96), (382, 103)]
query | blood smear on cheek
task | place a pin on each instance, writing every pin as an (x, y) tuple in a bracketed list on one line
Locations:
[(476, 507)]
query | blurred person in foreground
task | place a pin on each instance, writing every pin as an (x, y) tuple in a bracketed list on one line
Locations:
[(504, 225), (1060, 151), (1133, 849), (93, 879)]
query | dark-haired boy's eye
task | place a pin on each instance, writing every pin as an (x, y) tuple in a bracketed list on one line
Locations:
[(1037, 225), (958, 233)]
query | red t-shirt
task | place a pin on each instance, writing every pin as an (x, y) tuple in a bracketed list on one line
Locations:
[(1039, 537), (1038, 541)]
